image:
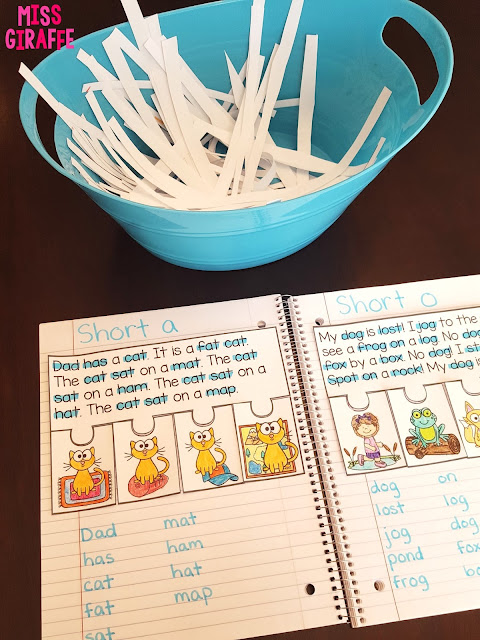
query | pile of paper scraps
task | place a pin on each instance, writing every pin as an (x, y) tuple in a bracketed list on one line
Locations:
[(210, 150)]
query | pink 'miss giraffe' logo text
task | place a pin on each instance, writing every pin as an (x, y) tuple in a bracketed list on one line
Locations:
[(37, 28)]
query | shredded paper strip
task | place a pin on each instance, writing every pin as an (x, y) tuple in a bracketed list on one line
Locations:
[(210, 150)]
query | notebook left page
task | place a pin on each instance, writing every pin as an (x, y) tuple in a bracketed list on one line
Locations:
[(175, 490)]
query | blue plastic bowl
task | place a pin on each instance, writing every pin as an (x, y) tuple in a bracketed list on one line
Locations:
[(354, 66)]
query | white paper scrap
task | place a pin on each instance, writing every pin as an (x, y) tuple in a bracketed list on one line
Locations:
[(215, 149), (307, 103), (276, 79), (137, 22), (192, 143)]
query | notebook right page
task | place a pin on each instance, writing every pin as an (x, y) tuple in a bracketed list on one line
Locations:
[(395, 387)]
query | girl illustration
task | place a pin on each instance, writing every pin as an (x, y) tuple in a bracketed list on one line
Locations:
[(366, 426)]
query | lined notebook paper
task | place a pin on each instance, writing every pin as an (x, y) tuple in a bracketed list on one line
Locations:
[(412, 530), (261, 466), (227, 552)]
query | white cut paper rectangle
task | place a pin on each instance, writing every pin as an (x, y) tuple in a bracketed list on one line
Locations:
[(307, 103)]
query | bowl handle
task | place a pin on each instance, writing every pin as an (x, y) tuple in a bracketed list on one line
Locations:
[(438, 41), (27, 108)]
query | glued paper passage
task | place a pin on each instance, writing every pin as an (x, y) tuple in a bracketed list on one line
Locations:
[(410, 358), (175, 427), (135, 383), (408, 351)]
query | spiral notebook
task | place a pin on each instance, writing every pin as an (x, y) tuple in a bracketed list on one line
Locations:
[(260, 466)]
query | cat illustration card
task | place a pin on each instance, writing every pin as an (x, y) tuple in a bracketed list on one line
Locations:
[(146, 463), (466, 408), (269, 444), (82, 473), (209, 456), (428, 429), (368, 437)]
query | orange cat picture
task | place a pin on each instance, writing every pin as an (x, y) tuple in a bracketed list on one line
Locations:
[(82, 461), (144, 451)]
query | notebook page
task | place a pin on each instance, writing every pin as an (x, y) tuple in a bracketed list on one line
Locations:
[(412, 521), (226, 552)]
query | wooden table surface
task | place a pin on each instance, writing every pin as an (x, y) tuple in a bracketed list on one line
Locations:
[(62, 257)]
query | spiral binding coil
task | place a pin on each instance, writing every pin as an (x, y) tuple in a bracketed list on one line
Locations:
[(315, 448)]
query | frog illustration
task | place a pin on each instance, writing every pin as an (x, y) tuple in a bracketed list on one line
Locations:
[(426, 429)]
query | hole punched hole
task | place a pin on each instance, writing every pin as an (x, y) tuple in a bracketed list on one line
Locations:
[(379, 585), (311, 395)]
